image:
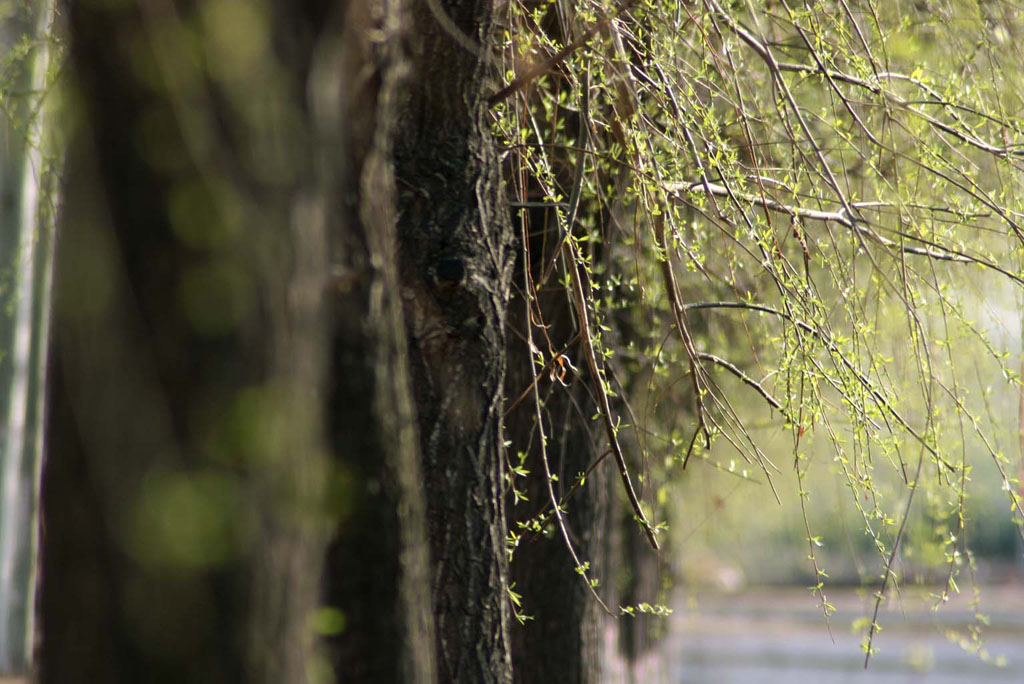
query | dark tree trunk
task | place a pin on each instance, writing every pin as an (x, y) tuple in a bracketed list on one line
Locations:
[(562, 641), (642, 580), (184, 468), (455, 274), (207, 209), (380, 545)]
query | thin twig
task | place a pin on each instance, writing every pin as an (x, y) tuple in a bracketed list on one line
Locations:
[(602, 393), (932, 251), (557, 510), (732, 368), (833, 349), (559, 57), (880, 596)]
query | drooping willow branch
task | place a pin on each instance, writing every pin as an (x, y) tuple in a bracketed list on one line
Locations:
[(836, 352), (560, 56), (602, 393), (841, 217), (746, 379), (581, 568), (888, 574), (876, 88), (577, 292), (683, 328), (775, 69)]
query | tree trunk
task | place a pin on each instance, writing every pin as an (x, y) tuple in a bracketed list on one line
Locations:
[(377, 564), (27, 188), (184, 520), (562, 641), (456, 263)]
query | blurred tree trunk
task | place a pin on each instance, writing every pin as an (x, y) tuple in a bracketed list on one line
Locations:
[(210, 430), (181, 530), (27, 180), (377, 563)]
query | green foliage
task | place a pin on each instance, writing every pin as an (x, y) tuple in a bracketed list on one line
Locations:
[(817, 207), (328, 621), (641, 608), (516, 601)]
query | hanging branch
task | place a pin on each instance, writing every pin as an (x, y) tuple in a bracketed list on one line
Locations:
[(683, 327), (888, 574), (601, 391), (932, 251), (835, 351), (560, 56), (747, 380), (581, 568)]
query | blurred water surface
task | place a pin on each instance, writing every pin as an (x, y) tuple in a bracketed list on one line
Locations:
[(772, 636)]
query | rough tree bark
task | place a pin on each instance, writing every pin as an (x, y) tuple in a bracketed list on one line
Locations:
[(456, 263)]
